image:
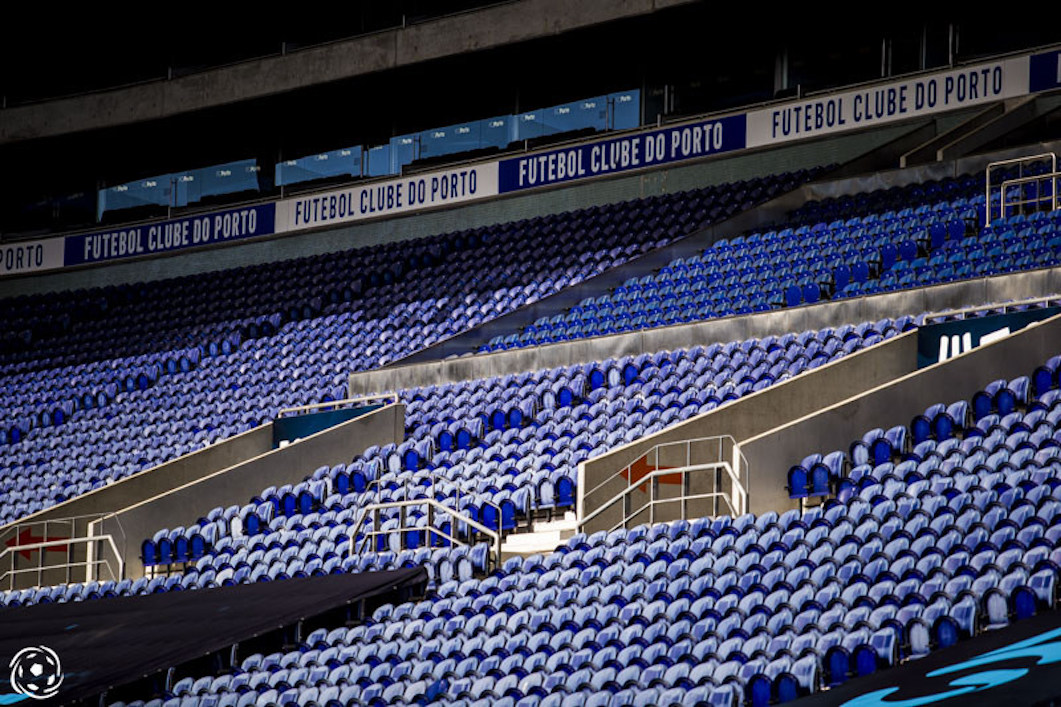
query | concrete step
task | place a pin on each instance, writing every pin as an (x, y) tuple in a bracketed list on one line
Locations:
[(544, 538)]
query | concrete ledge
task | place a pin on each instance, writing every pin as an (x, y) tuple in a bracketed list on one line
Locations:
[(953, 295), (489, 27), (158, 480)]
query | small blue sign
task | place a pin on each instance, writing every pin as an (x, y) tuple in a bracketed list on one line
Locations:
[(1044, 71)]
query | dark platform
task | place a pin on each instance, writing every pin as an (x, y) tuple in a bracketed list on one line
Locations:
[(108, 642)]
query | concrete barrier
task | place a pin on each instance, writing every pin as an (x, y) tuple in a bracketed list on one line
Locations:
[(751, 415), (952, 295), (771, 453), (183, 506), (157, 480)]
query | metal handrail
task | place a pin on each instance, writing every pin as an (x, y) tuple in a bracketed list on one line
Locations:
[(656, 448), (985, 307), (650, 506), (713, 466), (1001, 163), (337, 403), (374, 509), (436, 480), (41, 567), (1037, 179), (735, 466)]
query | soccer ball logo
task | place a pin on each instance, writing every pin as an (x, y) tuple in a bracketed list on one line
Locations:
[(36, 672)]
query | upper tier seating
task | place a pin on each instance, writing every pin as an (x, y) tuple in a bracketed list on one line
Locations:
[(846, 247)]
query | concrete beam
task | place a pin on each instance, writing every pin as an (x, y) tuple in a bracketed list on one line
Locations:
[(1019, 112), (954, 295), (927, 151), (517, 21)]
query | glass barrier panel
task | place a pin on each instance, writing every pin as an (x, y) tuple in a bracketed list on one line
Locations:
[(625, 109), (336, 163), (450, 140), (615, 111), (498, 131), (228, 178), (577, 115), (146, 192), (379, 161), (530, 125), (185, 189), (403, 151)]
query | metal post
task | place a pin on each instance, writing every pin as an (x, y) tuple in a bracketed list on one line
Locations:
[(718, 482), (652, 500), (686, 491), (626, 509), (430, 520), (923, 54)]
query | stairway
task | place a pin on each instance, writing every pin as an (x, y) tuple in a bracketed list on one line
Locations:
[(545, 537)]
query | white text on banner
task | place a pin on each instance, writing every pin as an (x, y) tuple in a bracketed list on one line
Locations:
[(885, 103), (387, 198)]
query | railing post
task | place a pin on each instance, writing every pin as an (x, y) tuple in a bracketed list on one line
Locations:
[(686, 490), (626, 507), (652, 497)]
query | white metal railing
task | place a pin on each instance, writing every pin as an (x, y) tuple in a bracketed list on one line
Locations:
[(1020, 162), (392, 397), (1037, 201), (936, 317), (726, 472), (362, 541), (37, 541), (449, 489), (90, 564)]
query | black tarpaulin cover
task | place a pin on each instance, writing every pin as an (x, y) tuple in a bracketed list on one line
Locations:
[(108, 642)]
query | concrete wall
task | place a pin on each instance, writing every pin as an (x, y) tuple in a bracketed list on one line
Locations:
[(771, 453), (183, 506), (750, 416), (447, 36), (953, 295), (71, 519)]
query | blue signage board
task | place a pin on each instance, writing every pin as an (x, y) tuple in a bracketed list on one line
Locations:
[(165, 236), (1044, 71), (682, 142)]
